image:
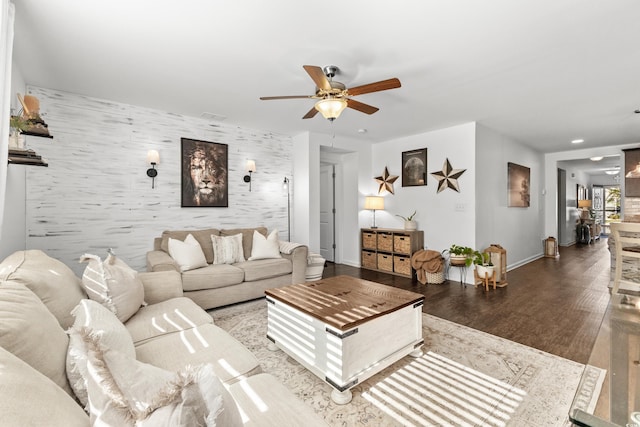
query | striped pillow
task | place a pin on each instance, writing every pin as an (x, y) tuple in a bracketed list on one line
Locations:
[(227, 249)]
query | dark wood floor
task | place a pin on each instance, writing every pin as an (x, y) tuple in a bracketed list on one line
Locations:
[(555, 305)]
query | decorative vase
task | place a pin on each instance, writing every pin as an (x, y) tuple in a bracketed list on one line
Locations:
[(410, 225), (485, 271)]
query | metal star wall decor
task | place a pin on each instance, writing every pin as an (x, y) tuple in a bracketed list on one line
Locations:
[(448, 177), (386, 181)]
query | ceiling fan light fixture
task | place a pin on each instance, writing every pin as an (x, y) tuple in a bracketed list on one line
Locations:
[(331, 108)]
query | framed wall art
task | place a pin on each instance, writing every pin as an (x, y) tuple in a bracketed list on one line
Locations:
[(414, 168), (519, 182), (204, 174)]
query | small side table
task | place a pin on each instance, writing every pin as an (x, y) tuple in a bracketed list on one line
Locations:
[(463, 270)]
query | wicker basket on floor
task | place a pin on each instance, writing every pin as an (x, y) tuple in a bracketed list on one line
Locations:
[(435, 278)]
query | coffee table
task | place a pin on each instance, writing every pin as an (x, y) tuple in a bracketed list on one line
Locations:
[(344, 329)]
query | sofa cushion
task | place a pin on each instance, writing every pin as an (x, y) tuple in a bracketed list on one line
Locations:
[(211, 277), (265, 247), (203, 344), (265, 268), (187, 254), (202, 236), (126, 392), (266, 402), (28, 398), (32, 333), (227, 249), (166, 317), (247, 237), (51, 280), (112, 334), (113, 284)]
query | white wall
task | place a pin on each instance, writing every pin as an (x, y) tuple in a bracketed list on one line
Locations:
[(95, 193), (518, 230), (13, 235), (447, 217)]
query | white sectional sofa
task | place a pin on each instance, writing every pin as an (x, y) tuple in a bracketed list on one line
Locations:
[(37, 297)]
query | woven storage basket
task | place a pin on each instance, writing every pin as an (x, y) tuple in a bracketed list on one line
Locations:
[(435, 278)]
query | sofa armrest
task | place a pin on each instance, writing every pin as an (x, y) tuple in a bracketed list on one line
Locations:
[(161, 285), (161, 261), (298, 258)]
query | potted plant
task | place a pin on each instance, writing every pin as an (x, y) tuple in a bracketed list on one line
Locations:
[(17, 125), (409, 223), (461, 255), (484, 266)]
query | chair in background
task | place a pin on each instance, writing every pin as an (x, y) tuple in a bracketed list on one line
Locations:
[(626, 236)]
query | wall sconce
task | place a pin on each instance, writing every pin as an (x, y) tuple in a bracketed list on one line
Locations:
[(251, 168), (153, 158), (374, 203)]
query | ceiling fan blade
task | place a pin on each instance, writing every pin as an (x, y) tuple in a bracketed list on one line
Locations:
[(269, 98), (367, 109), (312, 113), (374, 87), (318, 76)]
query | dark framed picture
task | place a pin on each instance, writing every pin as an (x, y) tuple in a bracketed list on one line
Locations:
[(414, 168), (519, 182), (204, 174), (632, 172)]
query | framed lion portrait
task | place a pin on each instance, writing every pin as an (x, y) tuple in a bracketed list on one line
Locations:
[(204, 174)]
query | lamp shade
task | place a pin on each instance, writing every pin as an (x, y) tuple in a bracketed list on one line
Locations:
[(584, 203), (374, 203), (331, 108), (153, 157), (251, 165)]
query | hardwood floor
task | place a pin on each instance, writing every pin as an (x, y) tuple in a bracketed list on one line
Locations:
[(554, 305)]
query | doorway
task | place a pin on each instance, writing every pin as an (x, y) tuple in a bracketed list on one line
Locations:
[(328, 212)]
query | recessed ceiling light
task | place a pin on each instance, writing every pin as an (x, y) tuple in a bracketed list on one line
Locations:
[(577, 141), (611, 172), (596, 158), (362, 131)]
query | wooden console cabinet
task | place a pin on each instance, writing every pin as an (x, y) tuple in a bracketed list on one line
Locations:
[(389, 250)]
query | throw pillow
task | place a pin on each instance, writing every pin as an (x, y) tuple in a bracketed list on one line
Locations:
[(112, 333), (227, 249), (265, 247), (55, 284), (187, 254), (113, 284), (32, 333), (126, 392)]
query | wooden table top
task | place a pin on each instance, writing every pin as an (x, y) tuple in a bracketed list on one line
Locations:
[(344, 302)]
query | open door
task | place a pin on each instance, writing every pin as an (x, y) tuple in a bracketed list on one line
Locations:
[(327, 212)]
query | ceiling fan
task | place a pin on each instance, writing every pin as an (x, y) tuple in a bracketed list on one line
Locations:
[(334, 96)]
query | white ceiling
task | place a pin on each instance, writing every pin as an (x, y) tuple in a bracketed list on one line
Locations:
[(541, 71)]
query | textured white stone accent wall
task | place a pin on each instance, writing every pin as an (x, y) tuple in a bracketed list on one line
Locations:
[(96, 195)]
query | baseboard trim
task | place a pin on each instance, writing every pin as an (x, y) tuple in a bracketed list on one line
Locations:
[(525, 261)]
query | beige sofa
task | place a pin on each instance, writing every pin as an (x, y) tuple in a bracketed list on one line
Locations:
[(222, 284), (37, 296)]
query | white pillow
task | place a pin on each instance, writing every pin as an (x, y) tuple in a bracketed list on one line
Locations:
[(126, 392), (227, 249), (265, 247), (113, 284), (112, 333), (187, 254)]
